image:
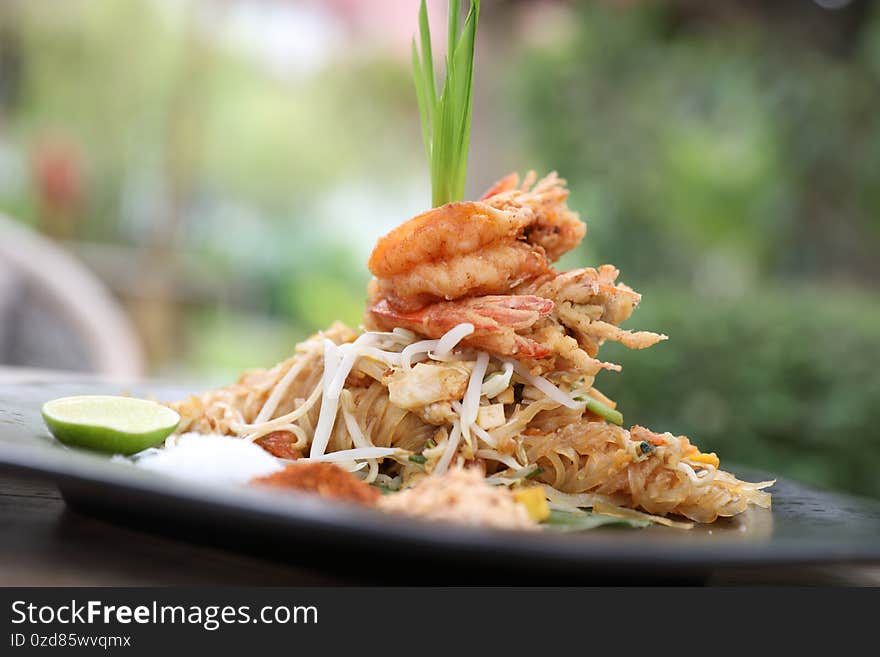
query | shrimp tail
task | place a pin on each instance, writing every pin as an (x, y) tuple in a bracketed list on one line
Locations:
[(506, 184)]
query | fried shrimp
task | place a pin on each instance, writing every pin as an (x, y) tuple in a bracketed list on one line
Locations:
[(496, 269), (499, 321), (455, 263), (556, 321), (554, 227), (476, 248), (589, 305), (442, 233)]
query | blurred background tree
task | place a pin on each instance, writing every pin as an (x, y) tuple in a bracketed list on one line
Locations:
[(226, 165)]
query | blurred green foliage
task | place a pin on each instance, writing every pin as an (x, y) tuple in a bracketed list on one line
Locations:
[(729, 167), (194, 154), (189, 142), (785, 380), (740, 135)]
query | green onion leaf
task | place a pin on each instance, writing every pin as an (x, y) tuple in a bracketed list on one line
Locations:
[(446, 120), (600, 409), (535, 472)]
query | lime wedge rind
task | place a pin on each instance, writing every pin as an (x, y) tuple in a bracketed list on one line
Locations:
[(117, 425)]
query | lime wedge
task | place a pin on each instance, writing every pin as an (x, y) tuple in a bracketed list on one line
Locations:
[(119, 425)]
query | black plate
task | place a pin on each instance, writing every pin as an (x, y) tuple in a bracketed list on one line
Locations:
[(806, 525)]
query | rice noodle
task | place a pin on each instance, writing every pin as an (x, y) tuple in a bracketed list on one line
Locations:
[(507, 478), (693, 476), (357, 436), (259, 429), (279, 390), (608, 509), (569, 501), (495, 455)]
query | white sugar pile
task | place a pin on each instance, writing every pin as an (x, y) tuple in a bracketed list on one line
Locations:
[(210, 458)]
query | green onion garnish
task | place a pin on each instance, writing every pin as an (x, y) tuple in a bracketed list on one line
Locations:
[(600, 409), (446, 119), (535, 472)]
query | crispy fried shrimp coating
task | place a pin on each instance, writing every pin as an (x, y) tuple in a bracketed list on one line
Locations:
[(443, 233), (589, 304), (555, 228), (495, 269), (477, 248)]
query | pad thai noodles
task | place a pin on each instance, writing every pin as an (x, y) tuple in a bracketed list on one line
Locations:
[(468, 394), (471, 385)]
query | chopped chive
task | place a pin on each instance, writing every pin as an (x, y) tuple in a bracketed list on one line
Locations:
[(646, 448), (600, 409), (418, 458), (535, 472)]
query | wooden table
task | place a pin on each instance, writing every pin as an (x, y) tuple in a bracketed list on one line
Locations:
[(43, 543)]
